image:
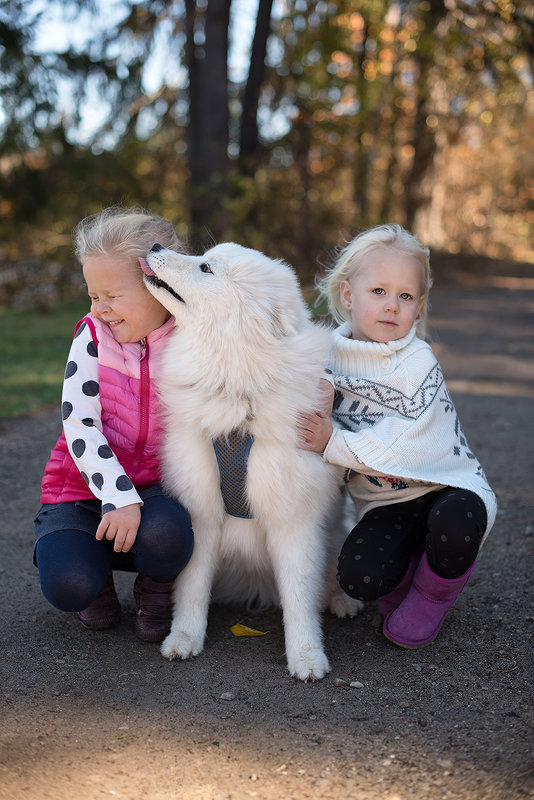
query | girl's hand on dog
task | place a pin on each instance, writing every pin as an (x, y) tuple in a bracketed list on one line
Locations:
[(121, 524), (326, 396), (314, 431)]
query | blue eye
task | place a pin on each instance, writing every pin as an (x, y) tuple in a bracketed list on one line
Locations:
[(206, 268)]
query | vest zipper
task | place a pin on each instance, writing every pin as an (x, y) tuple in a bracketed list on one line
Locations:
[(144, 403)]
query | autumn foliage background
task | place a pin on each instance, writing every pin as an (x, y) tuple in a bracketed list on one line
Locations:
[(340, 115)]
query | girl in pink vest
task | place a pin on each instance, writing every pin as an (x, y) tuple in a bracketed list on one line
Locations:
[(103, 507)]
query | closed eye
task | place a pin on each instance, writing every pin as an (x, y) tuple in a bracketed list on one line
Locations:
[(206, 268)]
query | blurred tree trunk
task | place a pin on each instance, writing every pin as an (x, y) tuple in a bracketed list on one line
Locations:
[(423, 137), (249, 124), (361, 158), (207, 60)]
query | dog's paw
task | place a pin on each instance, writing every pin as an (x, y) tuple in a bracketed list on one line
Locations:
[(179, 645), (342, 605), (309, 665)]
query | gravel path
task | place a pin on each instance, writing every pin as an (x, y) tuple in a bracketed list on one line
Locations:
[(90, 716)]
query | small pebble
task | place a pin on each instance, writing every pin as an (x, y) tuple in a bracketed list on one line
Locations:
[(356, 685), (227, 696), (340, 682)]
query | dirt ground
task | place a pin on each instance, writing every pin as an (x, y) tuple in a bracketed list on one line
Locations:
[(101, 715)]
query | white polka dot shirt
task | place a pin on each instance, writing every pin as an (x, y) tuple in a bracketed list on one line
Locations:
[(82, 425)]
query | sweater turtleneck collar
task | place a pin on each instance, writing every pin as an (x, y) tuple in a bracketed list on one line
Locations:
[(342, 338), (349, 353)]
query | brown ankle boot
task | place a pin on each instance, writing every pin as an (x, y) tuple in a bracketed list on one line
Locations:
[(105, 611), (154, 609)]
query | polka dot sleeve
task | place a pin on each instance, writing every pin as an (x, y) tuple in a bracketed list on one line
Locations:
[(82, 424)]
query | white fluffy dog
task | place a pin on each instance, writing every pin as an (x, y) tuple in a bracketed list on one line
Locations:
[(244, 359)]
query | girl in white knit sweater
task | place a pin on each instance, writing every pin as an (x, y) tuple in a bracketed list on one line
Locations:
[(423, 503)]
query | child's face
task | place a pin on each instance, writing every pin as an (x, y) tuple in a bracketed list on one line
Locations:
[(384, 296), (120, 299)]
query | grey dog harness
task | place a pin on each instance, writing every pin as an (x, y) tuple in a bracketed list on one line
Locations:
[(232, 453)]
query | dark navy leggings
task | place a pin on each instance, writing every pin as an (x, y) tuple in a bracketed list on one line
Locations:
[(449, 524), (73, 565)]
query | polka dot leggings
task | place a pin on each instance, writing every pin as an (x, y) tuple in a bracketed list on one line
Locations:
[(448, 524)]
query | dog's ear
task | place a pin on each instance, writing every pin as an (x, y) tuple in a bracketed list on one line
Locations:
[(286, 319)]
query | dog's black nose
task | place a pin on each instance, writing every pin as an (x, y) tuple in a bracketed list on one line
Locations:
[(156, 248)]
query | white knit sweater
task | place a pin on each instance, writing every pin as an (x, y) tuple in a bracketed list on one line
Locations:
[(398, 429)]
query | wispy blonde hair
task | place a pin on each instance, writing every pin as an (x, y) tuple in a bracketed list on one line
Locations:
[(128, 232), (349, 260)]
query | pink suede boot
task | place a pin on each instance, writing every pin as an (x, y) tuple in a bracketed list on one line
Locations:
[(389, 602), (418, 619)]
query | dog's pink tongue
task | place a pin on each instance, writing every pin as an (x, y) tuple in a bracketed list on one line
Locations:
[(146, 269)]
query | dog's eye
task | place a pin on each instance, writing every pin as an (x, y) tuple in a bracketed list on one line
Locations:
[(206, 268)]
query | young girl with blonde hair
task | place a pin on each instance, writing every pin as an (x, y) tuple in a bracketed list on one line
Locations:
[(423, 503), (103, 507)]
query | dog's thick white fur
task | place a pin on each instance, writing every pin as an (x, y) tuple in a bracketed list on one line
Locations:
[(245, 356)]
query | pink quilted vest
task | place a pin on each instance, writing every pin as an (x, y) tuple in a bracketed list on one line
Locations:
[(130, 420)]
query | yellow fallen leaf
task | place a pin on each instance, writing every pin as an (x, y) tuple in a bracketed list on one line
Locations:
[(242, 630)]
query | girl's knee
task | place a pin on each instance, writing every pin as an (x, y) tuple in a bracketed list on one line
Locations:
[(72, 569), (69, 591), (456, 526), (163, 546), (457, 522), (359, 591), (357, 580)]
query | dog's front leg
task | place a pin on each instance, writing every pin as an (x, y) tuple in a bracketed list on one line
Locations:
[(336, 528), (298, 567), (192, 592)]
